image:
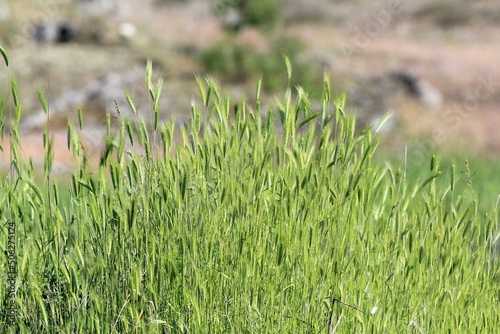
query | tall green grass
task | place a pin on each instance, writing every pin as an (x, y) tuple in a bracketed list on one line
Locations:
[(258, 221)]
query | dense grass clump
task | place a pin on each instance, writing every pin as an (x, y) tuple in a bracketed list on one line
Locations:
[(257, 222)]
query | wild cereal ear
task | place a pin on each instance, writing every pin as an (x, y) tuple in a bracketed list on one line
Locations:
[(4, 55)]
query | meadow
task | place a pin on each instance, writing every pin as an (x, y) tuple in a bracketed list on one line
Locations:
[(256, 221)]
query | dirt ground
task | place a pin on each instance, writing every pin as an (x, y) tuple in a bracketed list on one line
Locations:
[(452, 45)]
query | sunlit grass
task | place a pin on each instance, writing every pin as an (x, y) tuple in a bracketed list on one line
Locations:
[(272, 221)]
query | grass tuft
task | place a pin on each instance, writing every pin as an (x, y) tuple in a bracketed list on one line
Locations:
[(256, 221)]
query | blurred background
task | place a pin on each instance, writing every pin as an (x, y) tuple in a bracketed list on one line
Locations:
[(435, 65)]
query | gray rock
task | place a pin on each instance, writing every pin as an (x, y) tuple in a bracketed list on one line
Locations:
[(5, 12), (104, 95), (374, 97), (54, 32), (418, 88)]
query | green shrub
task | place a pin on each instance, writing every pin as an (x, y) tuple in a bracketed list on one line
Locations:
[(264, 13), (259, 13), (236, 63)]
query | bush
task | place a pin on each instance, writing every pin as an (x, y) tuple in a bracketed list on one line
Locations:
[(236, 63), (265, 13), (259, 13)]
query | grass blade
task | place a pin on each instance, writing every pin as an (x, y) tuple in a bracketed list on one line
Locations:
[(430, 178), (4, 55), (43, 101)]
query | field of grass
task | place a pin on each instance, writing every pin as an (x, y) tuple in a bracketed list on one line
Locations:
[(257, 222)]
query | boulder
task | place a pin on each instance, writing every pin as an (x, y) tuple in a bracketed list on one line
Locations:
[(374, 96), (417, 88), (52, 32), (107, 94), (5, 12)]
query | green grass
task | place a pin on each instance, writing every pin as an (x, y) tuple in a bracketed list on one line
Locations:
[(472, 172), (254, 223)]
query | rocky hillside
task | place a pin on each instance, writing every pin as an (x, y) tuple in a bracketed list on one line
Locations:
[(432, 63)]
